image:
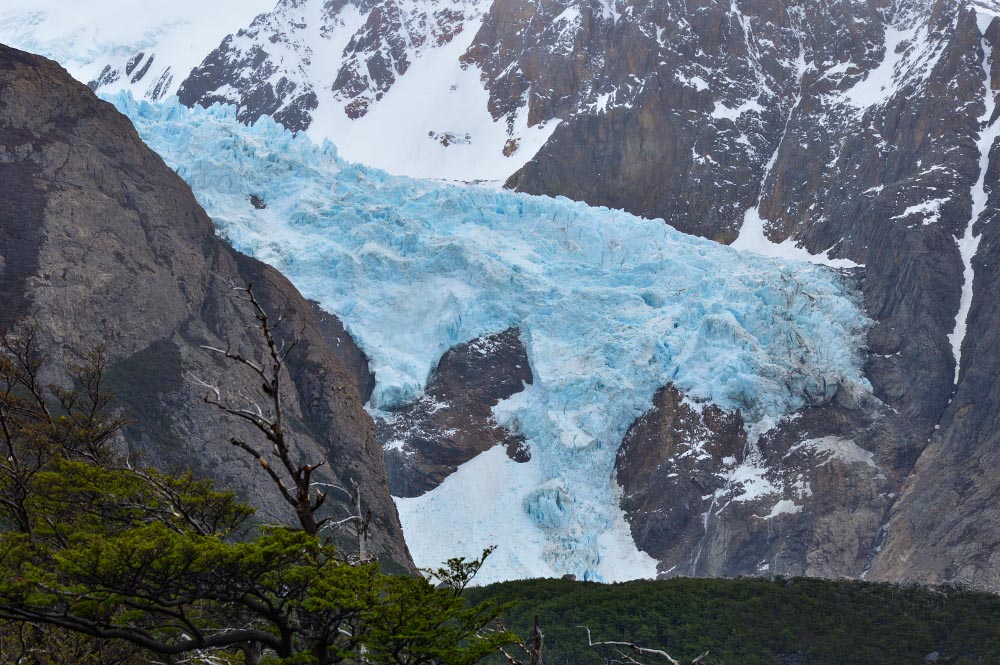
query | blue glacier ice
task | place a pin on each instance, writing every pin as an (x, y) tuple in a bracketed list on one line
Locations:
[(611, 308)]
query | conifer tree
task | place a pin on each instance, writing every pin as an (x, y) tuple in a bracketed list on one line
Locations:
[(94, 547)]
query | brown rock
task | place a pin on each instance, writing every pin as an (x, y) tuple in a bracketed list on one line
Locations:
[(453, 422)]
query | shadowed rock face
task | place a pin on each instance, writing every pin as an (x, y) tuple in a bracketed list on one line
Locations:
[(104, 244), (648, 93), (850, 129), (453, 422), (806, 498)]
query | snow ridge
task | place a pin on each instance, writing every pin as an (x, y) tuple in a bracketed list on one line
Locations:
[(968, 244), (611, 307), (147, 50)]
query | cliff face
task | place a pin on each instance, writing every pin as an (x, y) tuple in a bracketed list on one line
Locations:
[(862, 132), (428, 439), (814, 503), (104, 244)]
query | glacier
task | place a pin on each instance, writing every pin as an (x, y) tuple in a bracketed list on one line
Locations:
[(611, 308)]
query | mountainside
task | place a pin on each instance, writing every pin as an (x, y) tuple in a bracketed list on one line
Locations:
[(102, 244), (115, 44), (549, 326), (858, 135)]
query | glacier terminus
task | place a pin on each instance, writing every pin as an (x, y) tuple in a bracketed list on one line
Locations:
[(611, 307)]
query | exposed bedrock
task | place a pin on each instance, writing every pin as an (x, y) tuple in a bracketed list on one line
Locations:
[(807, 498), (103, 244), (452, 422)]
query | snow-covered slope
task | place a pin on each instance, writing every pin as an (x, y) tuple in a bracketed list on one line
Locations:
[(385, 78), (611, 307), (147, 48)]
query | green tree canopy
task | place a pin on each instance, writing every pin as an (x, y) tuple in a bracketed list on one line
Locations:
[(92, 546)]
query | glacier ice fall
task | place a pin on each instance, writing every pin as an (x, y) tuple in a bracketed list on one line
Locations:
[(611, 307)]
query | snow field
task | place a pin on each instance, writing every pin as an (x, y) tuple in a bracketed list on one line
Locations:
[(176, 34)]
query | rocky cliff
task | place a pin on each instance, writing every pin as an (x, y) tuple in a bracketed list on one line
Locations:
[(102, 244), (862, 131), (452, 422)]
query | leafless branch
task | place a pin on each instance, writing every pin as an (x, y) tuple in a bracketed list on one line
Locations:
[(637, 649), (293, 480)]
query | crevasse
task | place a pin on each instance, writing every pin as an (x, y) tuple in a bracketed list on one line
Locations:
[(611, 308)]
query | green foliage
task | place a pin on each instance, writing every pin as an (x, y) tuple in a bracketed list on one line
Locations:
[(97, 557), (415, 623), (32, 644), (754, 621)]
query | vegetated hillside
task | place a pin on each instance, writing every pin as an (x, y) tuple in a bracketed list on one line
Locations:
[(780, 621), (102, 244)]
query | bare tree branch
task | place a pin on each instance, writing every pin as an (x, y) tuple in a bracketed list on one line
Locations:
[(636, 648), (293, 479)]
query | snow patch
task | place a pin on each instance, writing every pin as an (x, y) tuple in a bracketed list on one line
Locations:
[(721, 111), (753, 239), (968, 244), (911, 52), (929, 210), (783, 507), (836, 448), (436, 96)]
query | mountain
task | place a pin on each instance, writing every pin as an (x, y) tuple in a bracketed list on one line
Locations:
[(858, 134), (384, 79), (115, 44), (548, 327), (102, 244)]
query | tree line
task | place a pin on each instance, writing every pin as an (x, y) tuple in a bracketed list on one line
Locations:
[(106, 561)]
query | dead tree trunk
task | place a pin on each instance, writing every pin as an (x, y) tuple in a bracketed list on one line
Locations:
[(269, 421), (535, 652)]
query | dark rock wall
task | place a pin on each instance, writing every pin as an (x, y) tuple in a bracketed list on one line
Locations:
[(453, 421), (106, 245), (637, 128)]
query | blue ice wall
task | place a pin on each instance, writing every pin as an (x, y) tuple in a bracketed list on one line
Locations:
[(611, 306)]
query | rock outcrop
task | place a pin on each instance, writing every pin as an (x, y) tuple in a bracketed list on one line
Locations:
[(453, 421), (102, 244), (706, 497)]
